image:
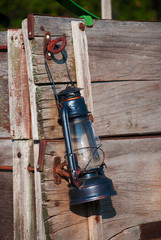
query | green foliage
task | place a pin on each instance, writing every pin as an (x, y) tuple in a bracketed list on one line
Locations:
[(13, 12)]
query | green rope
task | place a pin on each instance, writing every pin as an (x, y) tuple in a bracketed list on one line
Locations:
[(75, 8)]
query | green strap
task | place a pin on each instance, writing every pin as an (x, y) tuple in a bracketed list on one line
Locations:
[(88, 20), (75, 8)]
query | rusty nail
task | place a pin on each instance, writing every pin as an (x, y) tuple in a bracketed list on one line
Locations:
[(97, 218), (19, 155), (11, 37), (81, 26), (42, 28), (52, 127), (56, 203), (53, 153), (23, 46)]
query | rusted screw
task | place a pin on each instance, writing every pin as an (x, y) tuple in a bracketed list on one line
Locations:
[(42, 28), (23, 46), (56, 203), (19, 155), (81, 26)]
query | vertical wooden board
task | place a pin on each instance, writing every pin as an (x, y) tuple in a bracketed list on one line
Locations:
[(40, 228), (57, 65), (18, 87), (80, 46), (47, 117), (23, 191), (60, 220), (106, 9), (57, 27), (134, 167), (4, 99), (6, 192)]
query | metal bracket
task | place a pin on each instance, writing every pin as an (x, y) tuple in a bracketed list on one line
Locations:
[(30, 26), (59, 171), (40, 162), (50, 46)]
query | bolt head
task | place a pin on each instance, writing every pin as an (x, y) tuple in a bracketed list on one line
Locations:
[(82, 26)]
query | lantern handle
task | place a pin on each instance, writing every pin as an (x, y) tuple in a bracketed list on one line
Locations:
[(68, 143)]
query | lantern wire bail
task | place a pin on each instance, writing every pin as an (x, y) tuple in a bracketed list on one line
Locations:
[(70, 84)]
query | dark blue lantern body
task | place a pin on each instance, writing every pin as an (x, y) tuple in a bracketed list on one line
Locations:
[(83, 151)]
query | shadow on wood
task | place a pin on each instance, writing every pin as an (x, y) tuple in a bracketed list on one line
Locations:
[(102, 207)]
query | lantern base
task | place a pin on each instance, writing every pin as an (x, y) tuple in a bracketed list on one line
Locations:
[(93, 188)]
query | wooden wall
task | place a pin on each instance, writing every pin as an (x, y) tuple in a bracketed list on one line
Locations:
[(6, 182), (120, 68), (124, 65)]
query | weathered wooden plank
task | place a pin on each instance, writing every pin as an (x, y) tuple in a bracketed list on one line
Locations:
[(6, 191), (127, 107), (4, 99), (59, 220), (3, 39), (118, 50), (23, 191), (20, 117), (57, 65), (132, 233), (32, 87), (106, 9), (40, 227), (61, 25), (134, 166), (6, 152), (120, 108), (6, 205), (121, 50), (80, 46)]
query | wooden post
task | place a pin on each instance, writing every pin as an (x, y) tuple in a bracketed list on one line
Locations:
[(23, 191), (106, 9), (80, 46), (40, 230), (23, 181)]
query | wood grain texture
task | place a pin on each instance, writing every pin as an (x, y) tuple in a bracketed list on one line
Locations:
[(106, 9), (60, 221), (23, 191), (32, 87), (20, 117), (122, 108), (4, 99), (121, 50), (125, 108), (118, 50), (80, 46), (40, 227), (6, 192), (134, 166), (57, 65)]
